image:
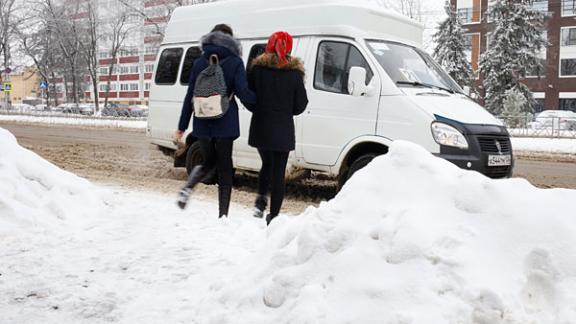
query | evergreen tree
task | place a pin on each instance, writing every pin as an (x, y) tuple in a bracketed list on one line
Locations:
[(513, 50), (450, 49), (513, 104)]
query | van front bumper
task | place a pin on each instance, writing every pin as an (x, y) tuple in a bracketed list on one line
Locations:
[(483, 141)]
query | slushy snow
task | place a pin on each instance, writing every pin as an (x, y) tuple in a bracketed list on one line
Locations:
[(410, 239)]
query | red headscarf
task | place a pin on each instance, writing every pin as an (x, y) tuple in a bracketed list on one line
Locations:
[(281, 44)]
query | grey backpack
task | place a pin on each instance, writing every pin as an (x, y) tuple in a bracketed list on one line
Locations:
[(210, 100)]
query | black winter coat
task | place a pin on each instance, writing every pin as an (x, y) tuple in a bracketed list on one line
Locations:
[(280, 96)]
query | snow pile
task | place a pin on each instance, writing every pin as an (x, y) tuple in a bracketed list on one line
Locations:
[(545, 145), (77, 121), (412, 239), (35, 194)]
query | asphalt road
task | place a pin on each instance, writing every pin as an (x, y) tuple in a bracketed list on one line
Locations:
[(125, 158)]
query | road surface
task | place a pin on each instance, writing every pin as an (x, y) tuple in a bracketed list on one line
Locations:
[(124, 158)]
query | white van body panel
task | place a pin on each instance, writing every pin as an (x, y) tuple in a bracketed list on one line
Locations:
[(455, 107), (333, 123)]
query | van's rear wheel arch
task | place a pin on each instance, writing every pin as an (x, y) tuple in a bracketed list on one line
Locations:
[(357, 158)]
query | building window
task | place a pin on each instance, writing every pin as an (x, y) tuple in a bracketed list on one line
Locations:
[(568, 104), (540, 5), (104, 86), (104, 55), (465, 15), (134, 86), (149, 68), (124, 87), (103, 70), (568, 67), (147, 86), (568, 36), (133, 69), (539, 105), (568, 7), (123, 69), (151, 50)]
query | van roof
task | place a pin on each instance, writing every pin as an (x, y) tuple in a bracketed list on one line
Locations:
[(260, 18)]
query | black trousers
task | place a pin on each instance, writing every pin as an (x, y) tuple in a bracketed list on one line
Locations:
[(272, 178), (217, 154)]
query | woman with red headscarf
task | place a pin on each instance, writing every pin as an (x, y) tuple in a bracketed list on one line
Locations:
[(278, 80)]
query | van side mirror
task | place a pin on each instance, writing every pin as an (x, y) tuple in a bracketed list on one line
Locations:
[(357, 81)]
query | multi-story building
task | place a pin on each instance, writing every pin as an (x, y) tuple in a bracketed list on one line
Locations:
[(134, 64), (556, 88)]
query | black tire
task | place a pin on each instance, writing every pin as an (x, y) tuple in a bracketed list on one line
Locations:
[(358, 164), (194, 157)]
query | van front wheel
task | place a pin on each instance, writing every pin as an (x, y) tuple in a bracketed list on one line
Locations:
[(358, 164)]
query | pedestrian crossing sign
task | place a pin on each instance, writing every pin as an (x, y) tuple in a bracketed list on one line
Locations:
[(7, 87)]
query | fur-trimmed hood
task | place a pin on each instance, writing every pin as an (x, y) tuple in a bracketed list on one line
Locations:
[(270, 60), (222, 39)]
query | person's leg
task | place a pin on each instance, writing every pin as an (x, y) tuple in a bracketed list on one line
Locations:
[(225, 174), (263, 183), (278, 185), (198, 172)]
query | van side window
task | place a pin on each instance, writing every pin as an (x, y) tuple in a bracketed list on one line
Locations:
[(333, 66), (168, 65), (255, 51), (192, 54)]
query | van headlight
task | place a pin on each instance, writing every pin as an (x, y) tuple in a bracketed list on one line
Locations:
[(449, 136)]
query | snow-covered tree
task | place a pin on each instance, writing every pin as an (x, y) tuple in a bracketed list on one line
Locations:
[(513, 49), (450, 48), (512, 108)]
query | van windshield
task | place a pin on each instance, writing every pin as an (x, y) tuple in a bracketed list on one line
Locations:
[(409, 66)]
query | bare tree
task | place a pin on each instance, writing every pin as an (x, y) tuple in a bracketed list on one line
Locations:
[(63, 21), (410, 8), (167, 7), (9, 22), (89, 47), (117, 30)]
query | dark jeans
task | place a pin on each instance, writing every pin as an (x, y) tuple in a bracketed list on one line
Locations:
[(217, 154), (272, 178)]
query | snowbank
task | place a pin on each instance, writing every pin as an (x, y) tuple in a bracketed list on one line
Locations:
[(411, 239), (36, 195), (77, 121), (545, 145)]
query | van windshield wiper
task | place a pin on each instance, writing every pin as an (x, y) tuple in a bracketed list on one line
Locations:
[(426, 85)]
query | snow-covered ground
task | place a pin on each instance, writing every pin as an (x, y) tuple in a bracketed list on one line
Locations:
[(410, 239), (76, 121), (545, 145)]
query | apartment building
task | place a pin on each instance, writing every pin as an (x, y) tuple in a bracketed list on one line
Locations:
[(134, 64), (556, 88)]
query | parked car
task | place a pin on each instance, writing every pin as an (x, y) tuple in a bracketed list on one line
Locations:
[(555, 120), (138, 110), (116, 110), (23, 108), (87, 109), (367, 88), (42, 107)]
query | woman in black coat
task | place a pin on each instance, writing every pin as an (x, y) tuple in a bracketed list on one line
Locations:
[(278, 80)]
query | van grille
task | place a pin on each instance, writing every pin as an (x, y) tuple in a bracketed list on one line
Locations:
[(497, 172), (490, 144)]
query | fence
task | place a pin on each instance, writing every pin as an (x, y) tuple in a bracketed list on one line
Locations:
[(549, 127), (61, 118)]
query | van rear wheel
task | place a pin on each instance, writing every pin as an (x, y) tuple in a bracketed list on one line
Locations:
[(358, 164), (194, 157)]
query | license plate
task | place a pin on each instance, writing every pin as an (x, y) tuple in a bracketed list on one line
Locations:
[(499, 160)]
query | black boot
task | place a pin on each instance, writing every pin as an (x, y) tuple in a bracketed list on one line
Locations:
[(194, 178), (269, 218), (260, 206), (224, 196)]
